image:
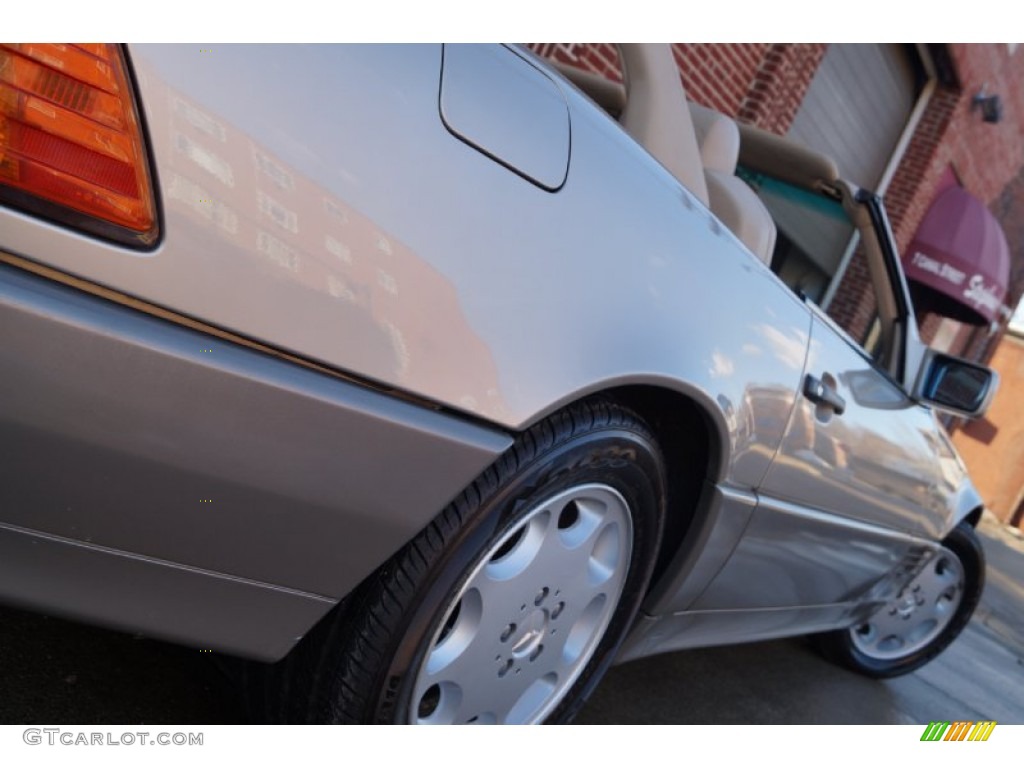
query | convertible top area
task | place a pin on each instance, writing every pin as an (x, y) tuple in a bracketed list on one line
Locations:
[(722, 146), (700, 147), (759, 150)]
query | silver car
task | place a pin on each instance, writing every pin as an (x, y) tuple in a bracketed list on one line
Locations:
[(440, 379)]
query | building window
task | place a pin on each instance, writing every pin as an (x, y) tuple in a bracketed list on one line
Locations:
[(400, 347), (387, 282), (204, 159), (278, 252), (339, 249), (202, 202), (275, 172), (340, 289), (278, 213), (199, 120), (335, 211)]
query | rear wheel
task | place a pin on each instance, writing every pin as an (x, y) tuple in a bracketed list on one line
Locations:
[(923, 619), (511, 604)]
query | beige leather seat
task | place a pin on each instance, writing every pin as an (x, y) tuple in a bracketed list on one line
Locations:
[(729, 197), (698, 145)]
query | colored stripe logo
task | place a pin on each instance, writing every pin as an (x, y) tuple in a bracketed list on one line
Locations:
[(961, 730)]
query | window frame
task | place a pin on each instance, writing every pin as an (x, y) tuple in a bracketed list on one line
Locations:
[(894, 312)]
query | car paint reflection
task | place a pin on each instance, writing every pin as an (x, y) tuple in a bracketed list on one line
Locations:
[(236, 198)]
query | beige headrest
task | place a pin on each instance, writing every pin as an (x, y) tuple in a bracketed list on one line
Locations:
[(656, 114), (718, 138)]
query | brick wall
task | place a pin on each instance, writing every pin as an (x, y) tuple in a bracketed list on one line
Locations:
[(1008, 208), (988, 156), (919, 171), (854, 306), (601, 58), (994, 446), (759, 83), (780, 85), (720, 76)]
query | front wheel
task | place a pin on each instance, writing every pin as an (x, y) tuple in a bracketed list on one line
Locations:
[(512, 603), (923, 619)]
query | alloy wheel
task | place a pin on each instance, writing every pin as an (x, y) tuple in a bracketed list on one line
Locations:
[(920, 612), (530, 614)]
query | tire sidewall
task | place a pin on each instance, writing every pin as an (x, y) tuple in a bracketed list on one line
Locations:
[(615, 455)]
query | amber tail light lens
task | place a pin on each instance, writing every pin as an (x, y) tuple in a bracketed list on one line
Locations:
[(71, 144)]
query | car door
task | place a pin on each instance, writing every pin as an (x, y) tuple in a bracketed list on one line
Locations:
[(844, 493), (857, 447), (854, 491)]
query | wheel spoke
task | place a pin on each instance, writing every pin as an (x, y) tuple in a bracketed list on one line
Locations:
[(487, 685), (496, 697), (517, 552), (564, 566), (942, 607), (887, 624), (881, 632), (942, 573)]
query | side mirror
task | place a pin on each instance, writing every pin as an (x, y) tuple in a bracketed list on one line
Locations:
[(958, 386)]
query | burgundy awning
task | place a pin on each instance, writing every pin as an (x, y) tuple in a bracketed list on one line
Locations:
[(958, 263)]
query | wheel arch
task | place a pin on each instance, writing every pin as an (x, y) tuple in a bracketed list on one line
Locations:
[(689, 437), (973, 517), (692, 434), (966, 505)]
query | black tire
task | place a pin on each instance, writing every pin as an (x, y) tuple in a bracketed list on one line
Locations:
[(850, 647), (361, 665)]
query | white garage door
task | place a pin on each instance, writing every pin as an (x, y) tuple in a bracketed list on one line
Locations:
[(856, 108), (855, 111)]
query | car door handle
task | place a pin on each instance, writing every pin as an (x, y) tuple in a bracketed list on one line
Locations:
[(819, 392)]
